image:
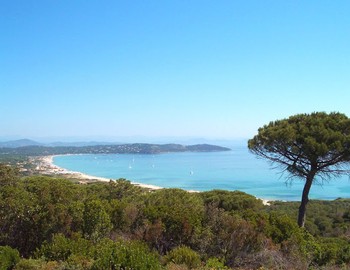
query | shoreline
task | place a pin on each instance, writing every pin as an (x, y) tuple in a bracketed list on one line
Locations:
[(46, 166)]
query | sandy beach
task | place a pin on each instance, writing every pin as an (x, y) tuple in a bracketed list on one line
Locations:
[(45, 166)]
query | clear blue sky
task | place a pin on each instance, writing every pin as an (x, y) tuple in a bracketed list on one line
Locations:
[(213, 69)]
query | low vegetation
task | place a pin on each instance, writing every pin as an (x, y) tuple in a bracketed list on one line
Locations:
[(53, 223)]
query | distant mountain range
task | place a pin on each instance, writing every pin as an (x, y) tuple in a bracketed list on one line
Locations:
[(19, 143), (27, 142)]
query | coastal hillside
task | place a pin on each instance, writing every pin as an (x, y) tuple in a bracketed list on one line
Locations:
[(20, 156), (135, 148)]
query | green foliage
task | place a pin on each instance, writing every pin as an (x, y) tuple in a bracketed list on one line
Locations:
[(183, 255), (105, 254), (301, 246), (126, 203), (57, 200), (18, 218), (215, 264), (12, 159), (123, 189), (231, 200), (97, 223), (8, 257), (49, 188), (312, 147), (126, 216), (124, 255), (30, 264), (77, 252), (63, 225), (36, 208), (79, 262), (302, 138), (8, 175), (60, 248), (97, 190), (120, 189), (178, 213), (333, 251), (281, 227), (325, 218), (228, 236)]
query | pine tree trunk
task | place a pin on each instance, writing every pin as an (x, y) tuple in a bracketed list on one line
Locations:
[(305, 200)]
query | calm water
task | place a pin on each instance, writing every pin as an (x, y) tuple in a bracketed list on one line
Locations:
[(233, 170)]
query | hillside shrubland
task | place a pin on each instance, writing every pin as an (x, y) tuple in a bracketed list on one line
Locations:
[(54, 223)]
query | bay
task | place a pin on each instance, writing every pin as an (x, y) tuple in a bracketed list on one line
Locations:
[(231, 170)]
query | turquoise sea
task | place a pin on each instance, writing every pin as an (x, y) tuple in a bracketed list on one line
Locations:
[(232, 170)]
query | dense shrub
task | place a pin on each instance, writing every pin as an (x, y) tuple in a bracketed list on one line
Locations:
[(214, 264), (60, 248), (231, 200), (8, 257), (124, 255), (30, 264), (105, 254), (333, 251), (184, 255), (281, 227), (63, 225), (96, 221), (9, 176), (178, 215)]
